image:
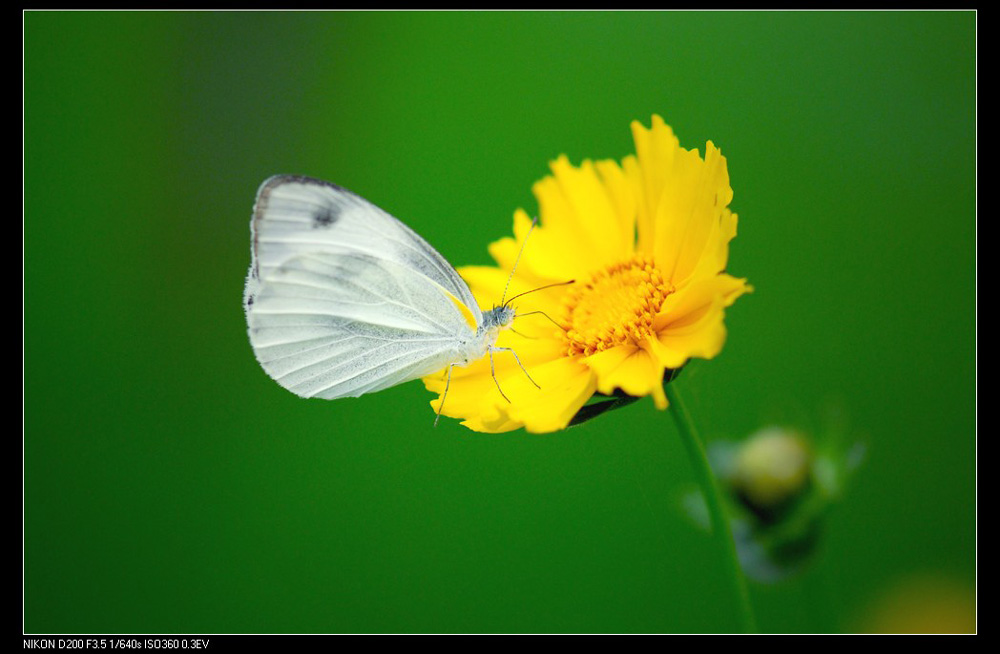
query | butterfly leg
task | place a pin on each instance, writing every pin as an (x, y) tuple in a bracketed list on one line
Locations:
[(443, 396), (494, 374), (507, 349)]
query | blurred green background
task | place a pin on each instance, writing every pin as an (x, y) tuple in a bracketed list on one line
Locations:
[(171, 486)]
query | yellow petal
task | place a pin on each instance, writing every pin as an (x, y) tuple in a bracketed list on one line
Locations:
[(488, 284), (505, 250), (622, 196), (492, 423), (627, 367), (579, 218), (656, 149), (685, 305), (566, 385), (683, 219), (691, 322), (550, 253)]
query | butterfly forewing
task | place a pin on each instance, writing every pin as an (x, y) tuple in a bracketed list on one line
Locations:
[(297, 215), (342, 299)]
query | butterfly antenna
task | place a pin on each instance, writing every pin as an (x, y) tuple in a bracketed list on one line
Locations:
[(540, 288), (533, 338), (517, 260)]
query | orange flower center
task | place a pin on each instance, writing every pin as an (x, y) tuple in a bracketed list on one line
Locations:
[(616, 306)]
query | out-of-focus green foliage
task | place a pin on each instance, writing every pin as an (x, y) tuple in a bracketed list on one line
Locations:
[(171, 486)]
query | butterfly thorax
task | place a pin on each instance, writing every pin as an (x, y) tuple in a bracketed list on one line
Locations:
[(494, 320)]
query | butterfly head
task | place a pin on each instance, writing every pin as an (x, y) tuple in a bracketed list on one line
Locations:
[(498, 318)]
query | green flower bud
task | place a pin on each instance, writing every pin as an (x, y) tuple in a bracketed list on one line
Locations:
[(771, 469)]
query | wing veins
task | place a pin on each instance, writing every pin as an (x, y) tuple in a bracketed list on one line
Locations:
[(370, 369), (346, 339), (341, 365)]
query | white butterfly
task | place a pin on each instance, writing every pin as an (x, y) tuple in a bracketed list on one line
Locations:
[(343, 299)]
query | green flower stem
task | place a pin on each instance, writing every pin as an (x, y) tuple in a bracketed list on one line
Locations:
[(713, 500)]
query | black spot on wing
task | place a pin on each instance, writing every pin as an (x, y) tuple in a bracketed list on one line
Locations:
[(325, 217)]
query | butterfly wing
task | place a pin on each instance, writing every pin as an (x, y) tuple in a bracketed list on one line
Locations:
[(343, 299)]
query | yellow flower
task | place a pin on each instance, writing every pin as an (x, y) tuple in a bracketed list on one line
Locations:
[(645, 243)]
